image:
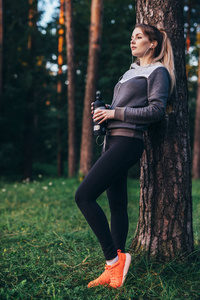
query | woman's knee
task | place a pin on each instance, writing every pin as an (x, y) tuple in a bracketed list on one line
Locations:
[(82, 194), (78, 196)]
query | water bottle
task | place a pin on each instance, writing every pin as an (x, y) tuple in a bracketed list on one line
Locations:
[(99, 129)]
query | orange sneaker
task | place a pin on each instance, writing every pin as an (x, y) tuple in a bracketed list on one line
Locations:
[(103, 279), (114, 275), (119, 270)]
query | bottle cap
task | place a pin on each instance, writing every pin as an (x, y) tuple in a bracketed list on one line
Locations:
[(98, 95)]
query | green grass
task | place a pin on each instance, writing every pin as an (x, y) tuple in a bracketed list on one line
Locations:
[(49, 252)]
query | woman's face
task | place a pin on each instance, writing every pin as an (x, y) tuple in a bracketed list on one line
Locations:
[(139, 43)]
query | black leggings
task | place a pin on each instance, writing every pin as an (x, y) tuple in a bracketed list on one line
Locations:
[(110, 173)]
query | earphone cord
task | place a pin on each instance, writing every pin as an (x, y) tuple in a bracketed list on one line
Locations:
[(143, 54), (146, 51)]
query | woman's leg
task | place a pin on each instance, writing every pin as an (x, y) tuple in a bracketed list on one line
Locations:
[(93, 185), (118, 200), (117, 159), (117, 196)]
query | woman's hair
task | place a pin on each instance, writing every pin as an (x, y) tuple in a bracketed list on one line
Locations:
[(163, 51)]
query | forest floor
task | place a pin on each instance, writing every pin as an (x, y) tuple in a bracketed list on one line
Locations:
[(47, 250)]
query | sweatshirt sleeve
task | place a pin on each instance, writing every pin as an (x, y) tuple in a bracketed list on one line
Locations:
[(157, 92)]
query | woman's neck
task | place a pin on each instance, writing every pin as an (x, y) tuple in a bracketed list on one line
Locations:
[(145, 61)]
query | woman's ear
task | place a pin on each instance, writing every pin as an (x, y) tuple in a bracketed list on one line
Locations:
[(154, 44)]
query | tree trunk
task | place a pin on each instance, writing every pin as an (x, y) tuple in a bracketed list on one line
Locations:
[(31, 117), (93, 58), (164, 227), (196, 150), (1, 57), (59, 89), (188, 40), (71, 89)]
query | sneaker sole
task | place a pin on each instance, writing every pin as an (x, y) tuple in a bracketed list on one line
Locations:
[(126, 267)]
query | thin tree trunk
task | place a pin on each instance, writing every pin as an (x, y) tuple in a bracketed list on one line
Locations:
[(164, 227), (92, 70), (188, 28), (30, 118), (71, 89), (196, 150), (1, 57), (59, 88)]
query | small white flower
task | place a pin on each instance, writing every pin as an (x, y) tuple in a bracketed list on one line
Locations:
[(63, 182), (3, 190), (45, 188), (40, 175), (27, 180), (50, 183)]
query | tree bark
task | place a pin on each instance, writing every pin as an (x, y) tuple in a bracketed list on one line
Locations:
[(93, 58), (30, 117), (71, 89), (164, 227), (196, 149), (60, 167)]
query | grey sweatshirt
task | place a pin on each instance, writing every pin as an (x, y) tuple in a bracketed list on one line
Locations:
[(140, 97)]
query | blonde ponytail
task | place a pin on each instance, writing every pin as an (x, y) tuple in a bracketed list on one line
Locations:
[(163, 51), (166, 57)]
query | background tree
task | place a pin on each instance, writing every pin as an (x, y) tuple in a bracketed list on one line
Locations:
[(165, 220), (188, 41), (12, 125), (31, 97), (196, 149), (115, 58), (71, 89), (91, 85), (59, 87), (18, 77), (1, 56)]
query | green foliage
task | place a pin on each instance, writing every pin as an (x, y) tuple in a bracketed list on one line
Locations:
[(48, 251), (119, 21), (23, 75), (192, 16), (20, 75)]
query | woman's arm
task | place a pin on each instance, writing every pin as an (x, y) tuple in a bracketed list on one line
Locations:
[(157, 93)]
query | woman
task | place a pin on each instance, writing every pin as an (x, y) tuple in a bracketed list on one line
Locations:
[(139, 99)]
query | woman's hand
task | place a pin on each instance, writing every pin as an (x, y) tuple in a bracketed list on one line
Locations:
[(92, 107), (104, 114)]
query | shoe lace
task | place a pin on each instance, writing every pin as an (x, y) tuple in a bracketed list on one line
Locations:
[(113, 278), (103, 276)]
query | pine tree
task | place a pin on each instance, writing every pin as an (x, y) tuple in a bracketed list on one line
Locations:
[(59, 88), (71, 89), (30, 114), (165, 220), (91, 84), (196, 149), (1, 57)]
